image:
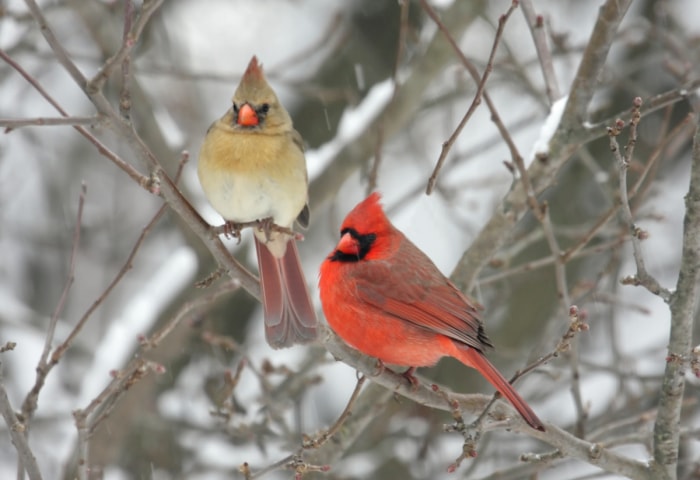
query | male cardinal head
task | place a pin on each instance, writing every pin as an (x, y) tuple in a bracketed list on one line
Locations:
[(366, 233), (255, 104)]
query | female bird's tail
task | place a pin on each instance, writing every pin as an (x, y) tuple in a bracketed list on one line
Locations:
[(290, 317)]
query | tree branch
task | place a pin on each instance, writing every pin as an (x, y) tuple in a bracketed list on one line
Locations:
[(561, 147), (683, 304), (18, 435), (400, 111)]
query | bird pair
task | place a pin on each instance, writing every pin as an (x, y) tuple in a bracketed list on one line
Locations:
[(379, 292)]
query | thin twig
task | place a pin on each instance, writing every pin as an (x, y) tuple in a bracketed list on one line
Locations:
[(148, 8), (87, 419), (347, 411), (403, 33), (536, 24), (126, 267), (128, 264), (187, 310), (14, 123), (295, 461), (134, 174), (649, 105), (549, 260), (576, 324), (642, 277), (447, 145), (566, 344), (44, 367), (59, 50), (125, 94), (18, 435)]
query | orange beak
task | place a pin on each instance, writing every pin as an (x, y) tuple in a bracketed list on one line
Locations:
[(247, 116), (348, 245)]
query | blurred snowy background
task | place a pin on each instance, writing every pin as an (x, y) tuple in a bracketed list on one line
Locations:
[(332, 64)]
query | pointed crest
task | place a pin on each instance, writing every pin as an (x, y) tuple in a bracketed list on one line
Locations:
[(254, 72), (254, 87), (368, 216)]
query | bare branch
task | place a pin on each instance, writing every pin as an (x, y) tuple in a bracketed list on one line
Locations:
[(140, 179), (347, 411), (586, 81), (536, 24), (132, 33), (683, 303), (568, 444), (14, 123), (649, 105), (447, 145), (408, 100), (403, 32), (18, 434), (642, 277), (43, 367), (561, 147)]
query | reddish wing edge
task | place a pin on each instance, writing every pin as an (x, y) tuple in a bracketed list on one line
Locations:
[(468, 346), (443, 310)]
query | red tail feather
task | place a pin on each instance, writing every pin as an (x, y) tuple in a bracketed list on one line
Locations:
[(478, 361), (289, 314)]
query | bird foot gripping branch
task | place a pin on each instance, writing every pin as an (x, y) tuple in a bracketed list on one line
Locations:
[(266, 226)]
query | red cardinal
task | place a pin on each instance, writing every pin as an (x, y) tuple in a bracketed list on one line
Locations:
[(387, 299)]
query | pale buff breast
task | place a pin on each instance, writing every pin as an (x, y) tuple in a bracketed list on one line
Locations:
[(251, 176)]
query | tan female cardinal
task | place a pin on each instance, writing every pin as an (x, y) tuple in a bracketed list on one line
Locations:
[(387, 299), (252, 167)]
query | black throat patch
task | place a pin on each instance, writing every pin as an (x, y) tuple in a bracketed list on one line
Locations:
[(364, 243)]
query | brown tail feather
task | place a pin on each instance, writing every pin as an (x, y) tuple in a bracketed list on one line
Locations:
[(477, 360), (290, 317)]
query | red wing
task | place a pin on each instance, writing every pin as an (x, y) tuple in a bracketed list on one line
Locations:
[(416, 291)]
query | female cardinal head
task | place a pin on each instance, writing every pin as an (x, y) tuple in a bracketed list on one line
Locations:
[(255, 104), (366, 233)]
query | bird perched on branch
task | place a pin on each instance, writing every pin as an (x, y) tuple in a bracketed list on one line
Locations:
[(387, 299), (252, 169)]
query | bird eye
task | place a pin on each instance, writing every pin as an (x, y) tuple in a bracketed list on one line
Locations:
[(235, 108), (265, 107)]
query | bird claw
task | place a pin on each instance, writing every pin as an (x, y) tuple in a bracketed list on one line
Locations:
[(232, 230), (379, 368), (412, 379), (408, 374), (265, 225)]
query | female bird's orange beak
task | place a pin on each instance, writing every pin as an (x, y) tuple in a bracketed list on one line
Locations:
[(247, 116)]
